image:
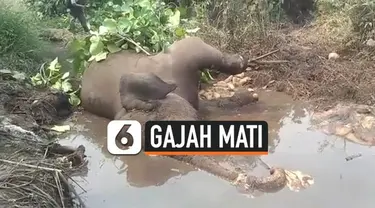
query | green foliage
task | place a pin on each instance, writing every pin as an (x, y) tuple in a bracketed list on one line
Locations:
[(146, 26), (20, 47), (49, 8), (53, 78)]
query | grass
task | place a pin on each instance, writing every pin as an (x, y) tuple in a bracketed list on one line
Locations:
[(20, 46)]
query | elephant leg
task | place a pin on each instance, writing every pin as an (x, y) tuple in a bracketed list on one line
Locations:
[(193, 54)]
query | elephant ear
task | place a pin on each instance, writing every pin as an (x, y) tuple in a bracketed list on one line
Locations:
[(145, 86)]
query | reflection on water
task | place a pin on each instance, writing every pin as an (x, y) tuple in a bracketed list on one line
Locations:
[(143, 181)]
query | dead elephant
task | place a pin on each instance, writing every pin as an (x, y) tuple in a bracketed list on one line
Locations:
[(171, 106), (180, 64)]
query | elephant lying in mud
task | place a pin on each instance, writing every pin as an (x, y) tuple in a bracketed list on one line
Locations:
[(180, 64), (130, 86), (166, 105)]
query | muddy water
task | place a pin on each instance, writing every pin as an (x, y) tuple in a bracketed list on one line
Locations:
[(161, 182)]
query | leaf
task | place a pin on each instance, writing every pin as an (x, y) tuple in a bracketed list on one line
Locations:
[(91, 58), (125, 46), (112, 48), (110, 24), (61, 129), (174, 20), (57, 85), (96, 45), (19, 75), (74, 99), (66, 86), (180, 32), (103, 30), (54, 65), (65, 75), (137, 49), (126, 9), (124, 24), (137, 33), (76, 45), (37, 80), (101, 56)]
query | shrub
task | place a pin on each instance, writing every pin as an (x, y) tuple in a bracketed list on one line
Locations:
[(20, 46)]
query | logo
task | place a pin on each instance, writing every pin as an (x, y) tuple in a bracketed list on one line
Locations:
[(206, 138), (124, 137)]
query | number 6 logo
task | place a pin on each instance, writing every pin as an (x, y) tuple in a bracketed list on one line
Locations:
[(124, 137)]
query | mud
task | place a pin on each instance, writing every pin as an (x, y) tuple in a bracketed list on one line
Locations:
[(164, 182)]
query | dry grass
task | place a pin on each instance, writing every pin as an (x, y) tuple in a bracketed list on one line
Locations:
[(33, 171), (309, 74)]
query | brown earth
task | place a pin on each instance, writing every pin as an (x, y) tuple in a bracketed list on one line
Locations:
[(309, 74), (34, 170)]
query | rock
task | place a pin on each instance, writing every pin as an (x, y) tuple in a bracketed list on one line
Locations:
[(229, 79), (231, 86), (368, 122), (221, 84), (248, 69), (242, 75), (235, 81), (216, 95), (343, 130), (333, 56), (244, 81), (250, 89), (370, 42)]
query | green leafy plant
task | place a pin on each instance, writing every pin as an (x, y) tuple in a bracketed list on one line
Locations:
[(147, 26), (53, 78)]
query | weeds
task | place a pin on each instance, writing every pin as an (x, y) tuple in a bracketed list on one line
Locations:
[(20, 48)]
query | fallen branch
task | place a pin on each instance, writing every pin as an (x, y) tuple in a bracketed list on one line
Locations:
[(269, 62), (264, 55), (58, 175), (256, 61)]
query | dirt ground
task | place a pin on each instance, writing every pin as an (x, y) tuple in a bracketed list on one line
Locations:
[(308, 73), (34, 170)]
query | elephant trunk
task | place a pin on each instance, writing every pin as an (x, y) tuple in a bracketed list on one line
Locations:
[(272, 183), (208, 165)]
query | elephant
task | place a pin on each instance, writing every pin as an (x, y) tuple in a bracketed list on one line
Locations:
[(174, 107), (180, 64), (110, 89)]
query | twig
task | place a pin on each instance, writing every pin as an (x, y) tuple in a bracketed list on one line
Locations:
[(269, 62), (57, 171), (256, 60), (71, 189), (351, 157), (59, 188), (264, 55), (136, 44), (30, 166)]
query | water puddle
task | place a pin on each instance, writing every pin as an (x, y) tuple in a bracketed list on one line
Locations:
[(162, 182)]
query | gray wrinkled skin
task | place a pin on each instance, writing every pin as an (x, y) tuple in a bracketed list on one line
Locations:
[(143, 90), (180, 64)]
